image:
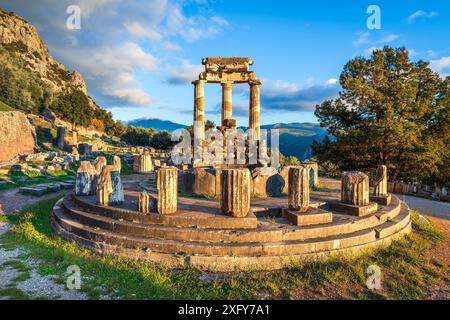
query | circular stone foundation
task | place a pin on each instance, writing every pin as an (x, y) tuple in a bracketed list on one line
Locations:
[(199, 236)]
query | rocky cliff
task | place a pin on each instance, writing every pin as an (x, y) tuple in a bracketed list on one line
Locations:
[(21, 38), (17, 135)]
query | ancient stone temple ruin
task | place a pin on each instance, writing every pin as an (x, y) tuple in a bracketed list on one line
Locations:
[(226, 218)]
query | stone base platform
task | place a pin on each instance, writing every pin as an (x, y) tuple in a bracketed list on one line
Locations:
[(310, 217), (381, 200), (198, 236), (358, 211)]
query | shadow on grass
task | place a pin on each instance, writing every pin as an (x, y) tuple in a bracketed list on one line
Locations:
[(405, 272)]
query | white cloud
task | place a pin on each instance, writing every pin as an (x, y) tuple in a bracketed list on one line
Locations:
[(420, 13), (286, 96), (118, 39), (111, 69), (364, 38), (184, 73), (331, 81), (194, 27), (138, 30), (439, 65)]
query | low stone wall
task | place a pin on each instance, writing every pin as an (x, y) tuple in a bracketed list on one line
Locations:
[(17, 135)]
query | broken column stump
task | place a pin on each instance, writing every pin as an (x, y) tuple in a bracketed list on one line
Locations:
[(104, 186), (354, 195), (143, 163), (144, 202), (167, 184), (299, 211), (298, 191), (235, 192), (380, 187), (85, 179)]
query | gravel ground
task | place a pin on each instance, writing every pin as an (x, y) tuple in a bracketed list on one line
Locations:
[(36, 286)]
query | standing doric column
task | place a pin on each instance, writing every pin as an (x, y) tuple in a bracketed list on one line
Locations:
[(298, 192), (355, 188), (167, 183), (235, 192), (227, 104), (254, 121), (199, 109), (60, 136), (380, 183)]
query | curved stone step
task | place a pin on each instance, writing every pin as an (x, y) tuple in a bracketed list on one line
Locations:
[(261, 234), (394, 225), (191, 217), (224, 263), (213, 249)]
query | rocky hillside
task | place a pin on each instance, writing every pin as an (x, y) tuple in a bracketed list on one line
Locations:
[(31, 80)]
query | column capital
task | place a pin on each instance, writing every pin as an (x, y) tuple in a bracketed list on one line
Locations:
[(199, 81), (227, 84), (255, 82)]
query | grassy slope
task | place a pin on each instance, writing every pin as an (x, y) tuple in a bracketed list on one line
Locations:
[(5, 107), (406, 273)]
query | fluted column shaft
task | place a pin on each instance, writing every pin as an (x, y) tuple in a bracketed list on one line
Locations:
[(355, 188), (227, 102), (199, 109), (254, 121), (235, 192), (380, 187), (167, 183), (298, 193), (144, 202)]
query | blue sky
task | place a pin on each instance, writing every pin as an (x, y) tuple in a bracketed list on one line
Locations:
[(139, 57)]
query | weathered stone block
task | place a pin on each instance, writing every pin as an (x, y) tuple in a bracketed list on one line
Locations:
[(267, 182), (355, 188), (311, 217), (313, 173), (167, 184), (298, 197), (380, 184), (17, 135), (144, 202), (143, 163), (117, 195), (104, 186), (235, 192), (85, 180)]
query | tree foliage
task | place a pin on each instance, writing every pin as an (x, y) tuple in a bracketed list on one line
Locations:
[(391, 111), (74, 108)]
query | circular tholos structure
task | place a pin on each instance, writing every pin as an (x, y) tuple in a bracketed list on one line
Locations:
[(199, 236)]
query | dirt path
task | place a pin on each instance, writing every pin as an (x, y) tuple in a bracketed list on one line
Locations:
[(11, 200)]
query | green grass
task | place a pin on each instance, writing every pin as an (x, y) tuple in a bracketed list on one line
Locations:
[(406, 273), (5, 107), (29, 178)]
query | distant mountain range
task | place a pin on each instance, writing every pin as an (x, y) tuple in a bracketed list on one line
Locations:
[(155, 123), (295, 137)]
